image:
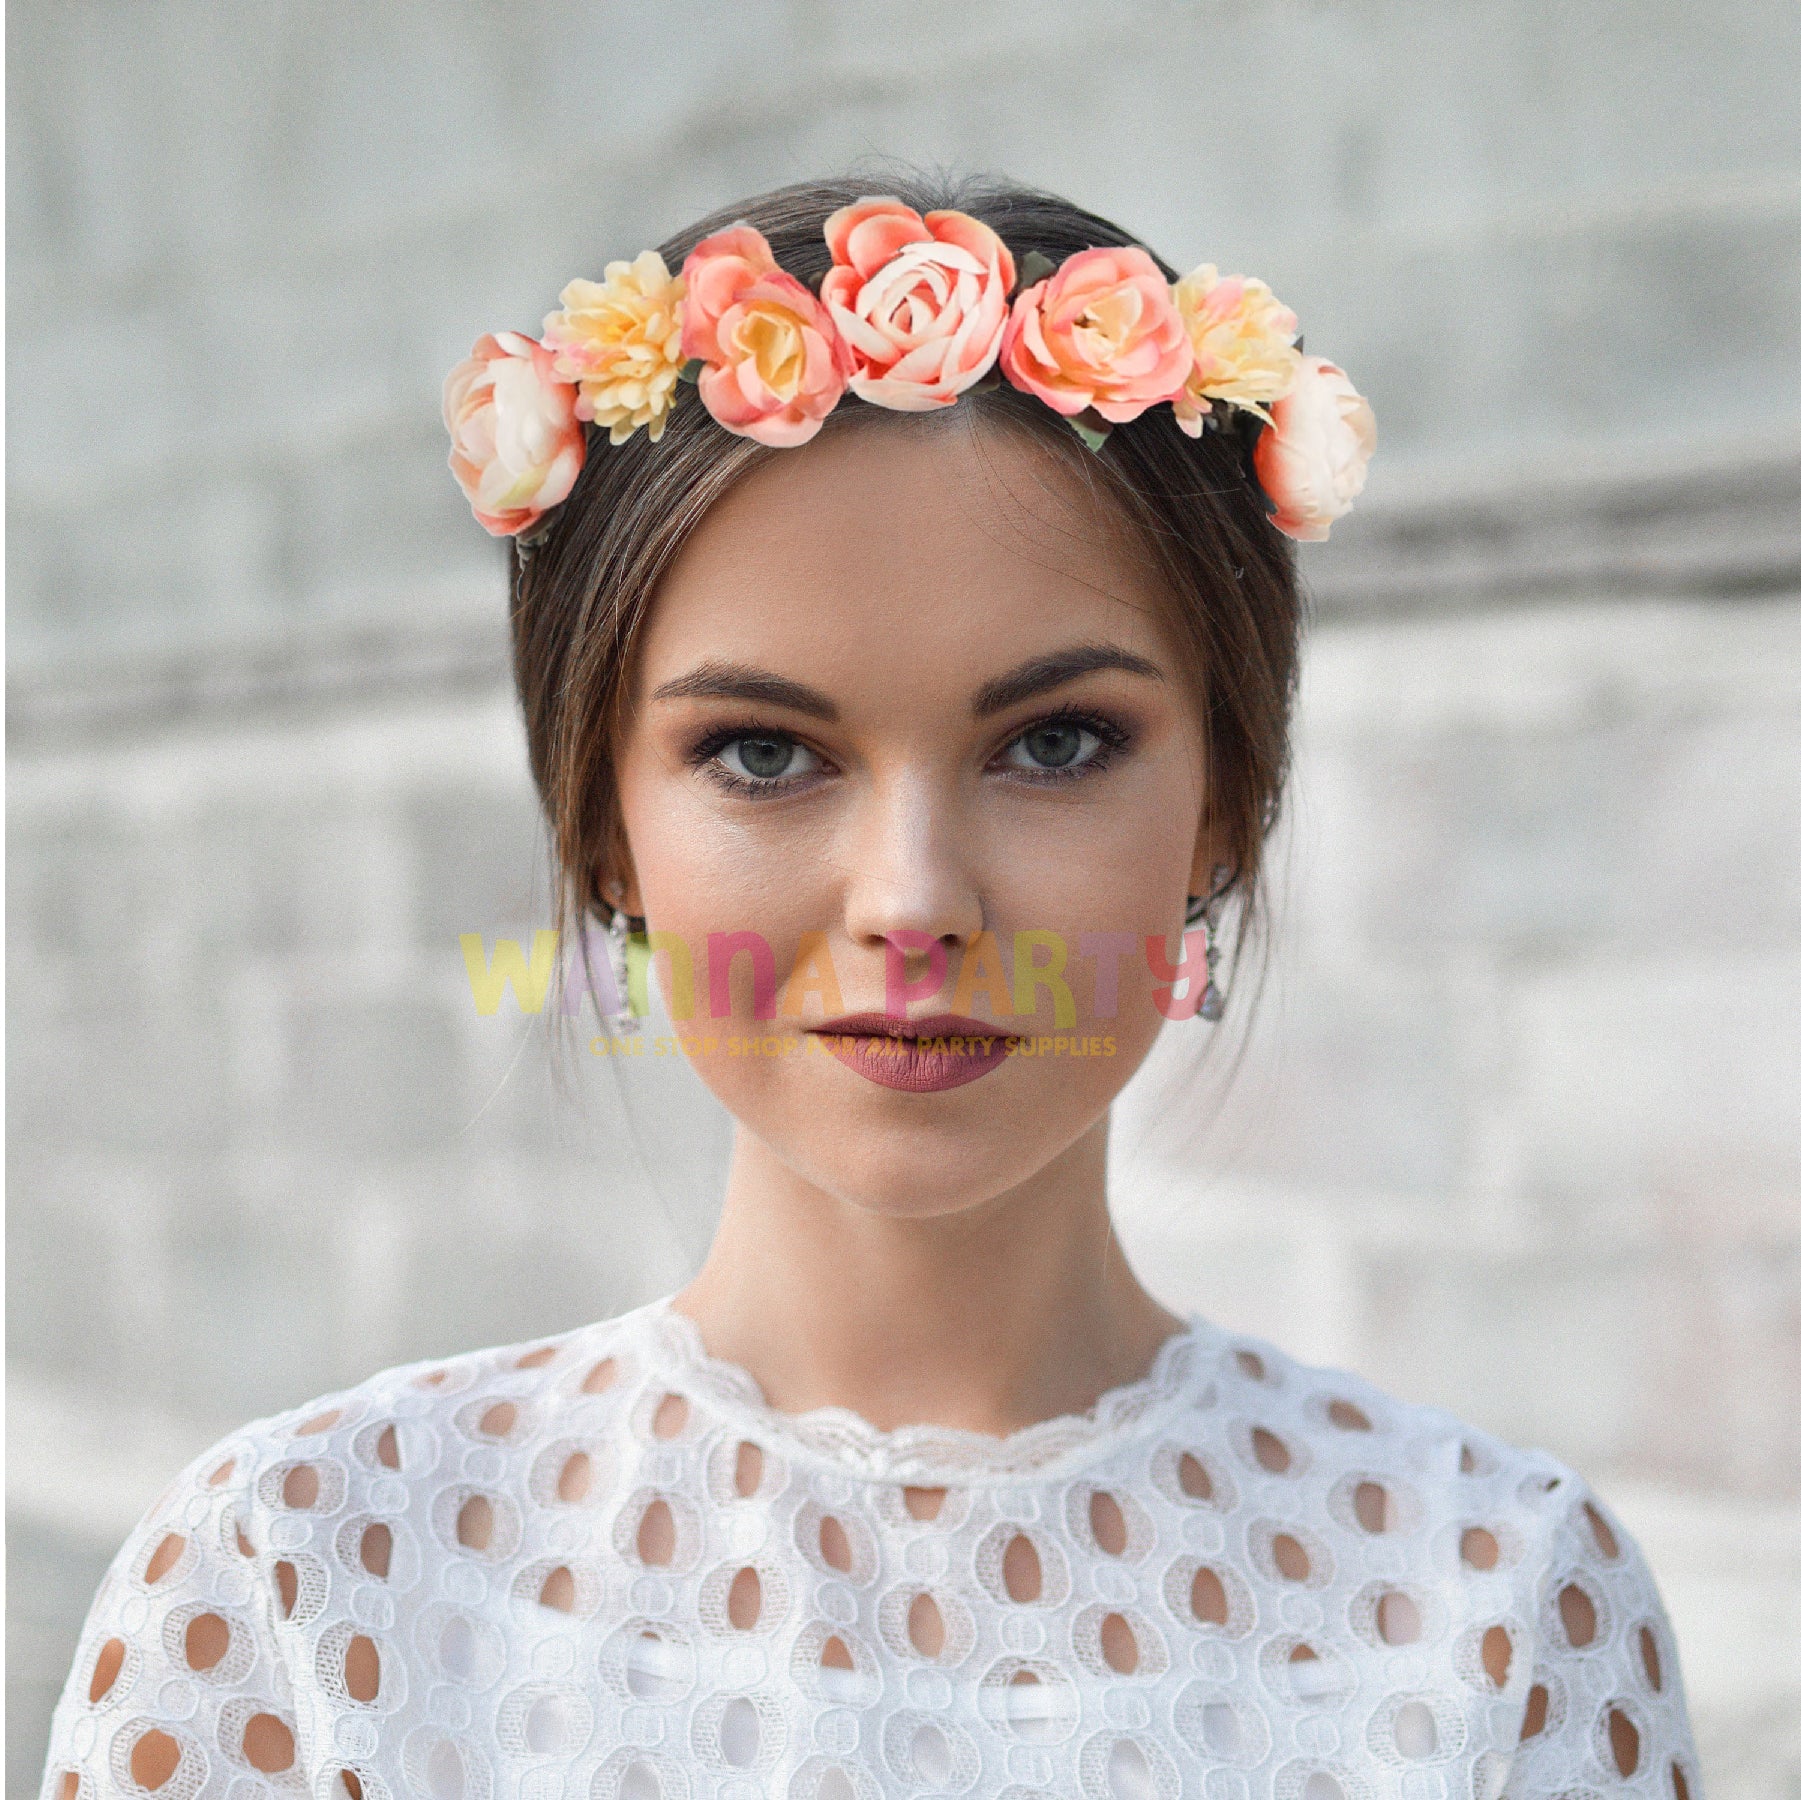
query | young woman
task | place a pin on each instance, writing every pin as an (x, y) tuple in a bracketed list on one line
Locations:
[(905, 626)]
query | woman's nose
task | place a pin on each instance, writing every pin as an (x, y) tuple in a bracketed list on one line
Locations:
[(910, 867)]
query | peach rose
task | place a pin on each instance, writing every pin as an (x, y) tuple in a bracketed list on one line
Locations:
[(775, 364), (1101, 332), (1311, 460), (620, 342), (921, 302), (1243, 339), (516, 445)]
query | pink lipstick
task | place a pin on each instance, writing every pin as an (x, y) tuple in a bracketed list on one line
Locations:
[(917, 1056)]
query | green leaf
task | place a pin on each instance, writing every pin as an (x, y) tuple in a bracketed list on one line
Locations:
[(1035, 268), (690, 370), (1092, 429)]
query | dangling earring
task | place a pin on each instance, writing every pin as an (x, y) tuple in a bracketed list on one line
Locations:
[(619, 932), (1206, 909)]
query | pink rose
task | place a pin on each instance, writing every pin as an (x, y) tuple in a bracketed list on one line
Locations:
[(516, 445), (1311, 461), (775, 362), (1102, 331), (921, 302)]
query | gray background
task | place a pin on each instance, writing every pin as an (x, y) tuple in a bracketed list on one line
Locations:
[(1520, 1124)]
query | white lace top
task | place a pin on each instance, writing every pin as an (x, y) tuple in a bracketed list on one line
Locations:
[(601, 1565)]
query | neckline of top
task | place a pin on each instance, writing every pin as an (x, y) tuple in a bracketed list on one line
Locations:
[(928, 1455)]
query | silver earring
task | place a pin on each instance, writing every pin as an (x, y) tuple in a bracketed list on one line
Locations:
[(1206, 909), (619, 932)]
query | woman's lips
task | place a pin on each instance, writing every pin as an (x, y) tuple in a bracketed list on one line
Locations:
[(918, 1056)]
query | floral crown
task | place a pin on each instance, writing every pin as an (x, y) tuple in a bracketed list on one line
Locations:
[(913, 312)]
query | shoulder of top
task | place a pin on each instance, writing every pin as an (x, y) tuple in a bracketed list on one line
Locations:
[(1345, 1417), (495, 1395)]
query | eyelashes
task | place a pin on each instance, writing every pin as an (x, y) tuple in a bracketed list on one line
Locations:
[(761, 761)]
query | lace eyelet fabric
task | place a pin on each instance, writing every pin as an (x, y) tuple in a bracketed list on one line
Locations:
[(599, 1566)]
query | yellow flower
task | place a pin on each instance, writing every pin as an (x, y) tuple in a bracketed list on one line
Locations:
[(620, 342), (1243, 339)]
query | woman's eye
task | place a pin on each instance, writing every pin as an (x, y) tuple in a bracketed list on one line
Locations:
[(759, 756), (1057, 744)]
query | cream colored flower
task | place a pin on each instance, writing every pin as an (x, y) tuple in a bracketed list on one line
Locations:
[(1243, 339), (620, 342)]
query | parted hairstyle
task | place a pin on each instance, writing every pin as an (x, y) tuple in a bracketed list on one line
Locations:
[(580, 596)]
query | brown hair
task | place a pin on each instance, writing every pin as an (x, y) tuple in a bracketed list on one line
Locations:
[(580, 598)]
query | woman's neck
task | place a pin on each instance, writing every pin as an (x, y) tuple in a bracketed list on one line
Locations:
[(988, 1318)]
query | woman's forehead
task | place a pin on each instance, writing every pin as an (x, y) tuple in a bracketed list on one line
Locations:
[(947, 546)]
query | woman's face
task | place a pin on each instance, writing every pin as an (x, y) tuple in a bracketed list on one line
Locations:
[(904, 697)]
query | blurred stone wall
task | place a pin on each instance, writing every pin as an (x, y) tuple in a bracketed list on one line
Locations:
[(1519, 1125)]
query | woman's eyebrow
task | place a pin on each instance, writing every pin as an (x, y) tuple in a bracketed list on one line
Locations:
[(739, 681), (1043, 673)]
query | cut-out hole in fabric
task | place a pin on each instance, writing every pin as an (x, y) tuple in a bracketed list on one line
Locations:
[(1022, 1574), (1497, 1654), (387, 1449), (1321, 1786), (670, 1417), (1252, 1364), (287, 1586), (656, 1534), (68, 1786), (1416, 1731), (300, 1487), (106, 1668), (475, 1522), (1119, 1644), (499, 1419), (835, 1654), (575, 1478), (245, 1547), (164, 1557), (1602, 1532), (1348, 1417), (747, 1470), (353, 1784), (1129, 1773), (1648, 1657), (1192, 1474), (222, 1474), (536, 1359), (205, 1641), (1538, 1710), (1291, 1560), (925, 1625), (1678, 1782), (1479, 1548), (376, 1550), (834, 1544), (1207, 1598), (1269, 1450), (1370, 1503), (740, 1733), (1466, 1461), (744, 1599), (362, 1669), (321, 1422), (1397, 1619), (1622, 1740), (930, 1752), (600, 1377), (268, 1743), (558, 1591), (1577, 1612), (1108, 1523), (154, 1758), (923, 1503)]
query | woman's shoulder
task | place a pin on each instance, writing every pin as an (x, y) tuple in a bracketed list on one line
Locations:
[(1460, 1498)]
